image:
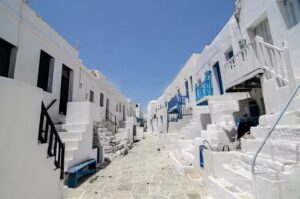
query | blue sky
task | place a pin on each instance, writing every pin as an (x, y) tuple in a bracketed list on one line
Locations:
[(140, 45)]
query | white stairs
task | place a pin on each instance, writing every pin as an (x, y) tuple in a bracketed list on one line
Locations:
[(113, 144), (193, 128), (279, 172), (221, 131), (71, 135)]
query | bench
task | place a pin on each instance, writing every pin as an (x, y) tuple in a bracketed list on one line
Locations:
[(85, 168)]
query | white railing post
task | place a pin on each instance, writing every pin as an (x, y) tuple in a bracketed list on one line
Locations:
[(289, 67), (259, 51)]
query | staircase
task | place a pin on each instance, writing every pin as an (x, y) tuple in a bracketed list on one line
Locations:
[(113, 143), (71, 134), (223, 110), (276, 170)]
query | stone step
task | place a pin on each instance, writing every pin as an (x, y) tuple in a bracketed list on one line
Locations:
[(70, 135), (263, 163), (279, 149), (216, 135), (74, 126), (214, 127), (71, 143), (283, 133), (288, 118), (239, 177), (58, 127), (221, 188)]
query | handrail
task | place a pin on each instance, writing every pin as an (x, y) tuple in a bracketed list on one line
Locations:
[(206, 141), (112, 119), (258, 55), (51, 104), (56, 148), (272, 129)]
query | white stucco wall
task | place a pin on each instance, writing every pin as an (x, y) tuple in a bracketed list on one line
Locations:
[(215, 52), (26, 172), (253, 12), (30, 34)]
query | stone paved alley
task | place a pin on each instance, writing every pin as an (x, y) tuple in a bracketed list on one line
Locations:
[(145, 172)]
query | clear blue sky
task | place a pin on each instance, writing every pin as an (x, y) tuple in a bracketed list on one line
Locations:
[(140, 45)]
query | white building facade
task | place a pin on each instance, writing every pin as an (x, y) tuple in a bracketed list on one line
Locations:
[(38, 66), (242, 80)]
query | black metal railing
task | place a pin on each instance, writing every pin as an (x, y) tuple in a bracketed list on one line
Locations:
[(48, 134), (112, 119), (51, 104)]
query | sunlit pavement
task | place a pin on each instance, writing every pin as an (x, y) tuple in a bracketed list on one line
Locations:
[(146, 172)]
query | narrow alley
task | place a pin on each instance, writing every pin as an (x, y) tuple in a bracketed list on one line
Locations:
[(146, 172)]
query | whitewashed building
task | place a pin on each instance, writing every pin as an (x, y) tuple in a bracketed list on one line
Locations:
[(38, 66), (245, 78)]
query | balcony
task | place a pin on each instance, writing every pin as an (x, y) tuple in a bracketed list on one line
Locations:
[(204, 88), (256, 58), (176, 102)]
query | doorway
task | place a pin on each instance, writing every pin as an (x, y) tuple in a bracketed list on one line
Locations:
[(124, 114), (65, 89), (107, 108), (186, 89), (217, 73)]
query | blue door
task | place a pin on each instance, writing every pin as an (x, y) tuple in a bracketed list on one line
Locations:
[(217, 72)]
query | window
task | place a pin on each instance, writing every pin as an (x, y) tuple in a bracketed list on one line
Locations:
[(229, 54), (91, 96), (45, 75), (263, 30), (120, 108), (7, 59), (101, 99), (191, 81), (292, 9)]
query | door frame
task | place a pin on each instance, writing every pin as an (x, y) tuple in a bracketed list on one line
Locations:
[(218, 77), (70, 88)]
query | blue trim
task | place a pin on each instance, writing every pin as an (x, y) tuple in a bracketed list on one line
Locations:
[(175, 105), (201, 158), (218, 76), (204, 88)]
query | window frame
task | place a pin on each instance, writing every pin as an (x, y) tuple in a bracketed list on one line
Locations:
[(50, 73), (92, 96), (101, 99)]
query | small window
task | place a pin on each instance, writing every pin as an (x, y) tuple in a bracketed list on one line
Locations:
[(229, 54), (191, 82), (292, 9), (101, 99), (8, 54), (45, 75), (120, 108), (91, 96)]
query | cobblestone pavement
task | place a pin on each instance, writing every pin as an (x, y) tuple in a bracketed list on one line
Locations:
[(145, 173)]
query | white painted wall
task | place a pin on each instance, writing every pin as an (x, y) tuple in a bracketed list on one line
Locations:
[(215, 52), (26, 172), (151, 110), (26, 30), (196, 67), (251, 14), (83, 113)]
